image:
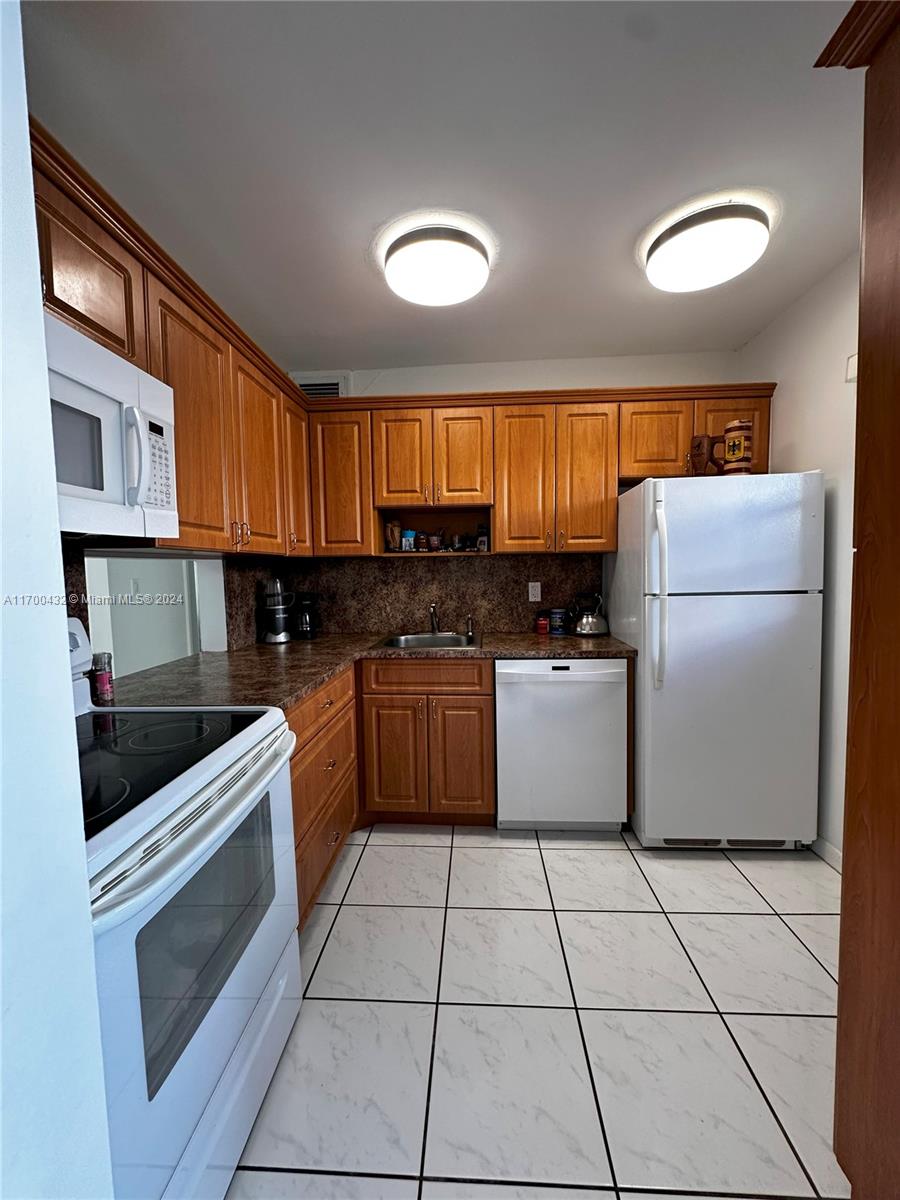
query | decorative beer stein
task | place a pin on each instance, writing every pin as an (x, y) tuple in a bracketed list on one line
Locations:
[(738, 446)]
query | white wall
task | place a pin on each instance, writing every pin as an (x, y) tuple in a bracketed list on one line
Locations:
[(638, 371), (55, 1142), (813, 425)]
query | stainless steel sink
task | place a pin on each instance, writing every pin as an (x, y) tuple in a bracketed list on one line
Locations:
[(434, 641)]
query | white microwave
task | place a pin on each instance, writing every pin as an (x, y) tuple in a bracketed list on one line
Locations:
[(113, 438)]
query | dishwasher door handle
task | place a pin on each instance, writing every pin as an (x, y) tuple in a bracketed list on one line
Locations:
[(619, 675)]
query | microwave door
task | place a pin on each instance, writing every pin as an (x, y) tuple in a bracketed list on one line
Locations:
[(89, 447)]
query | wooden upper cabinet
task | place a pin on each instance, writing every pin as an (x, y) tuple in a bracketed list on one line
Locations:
[(402, 465), (711, 416), (461, 754), (296, 479), (587, 458), (193, 359), (524, 477), (258, 494), (341, 460), (463, 456), (89, 279), (655, 437), (396, 753)]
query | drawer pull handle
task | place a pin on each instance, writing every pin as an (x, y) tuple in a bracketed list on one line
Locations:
[(335, 837), (327, 703), (434, 709), (330, 765), (419, 705), (548, 539)]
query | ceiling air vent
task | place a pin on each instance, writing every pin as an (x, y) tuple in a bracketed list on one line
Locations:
[(323, 385)]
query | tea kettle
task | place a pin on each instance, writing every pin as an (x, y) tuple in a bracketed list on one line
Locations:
[(586, 617)]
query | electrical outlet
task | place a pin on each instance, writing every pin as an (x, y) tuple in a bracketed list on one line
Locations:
[(534, 591)]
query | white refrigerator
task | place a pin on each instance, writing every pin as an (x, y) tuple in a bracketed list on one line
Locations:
[(717, 582)]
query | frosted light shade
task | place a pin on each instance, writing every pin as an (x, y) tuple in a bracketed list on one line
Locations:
[(707, 248), (436, 266)]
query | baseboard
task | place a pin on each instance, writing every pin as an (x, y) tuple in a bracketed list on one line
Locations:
[(830, 853)]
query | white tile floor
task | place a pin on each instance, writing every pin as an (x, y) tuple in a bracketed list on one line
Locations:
[(511, 1017)]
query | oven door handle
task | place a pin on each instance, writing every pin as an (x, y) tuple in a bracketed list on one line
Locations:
[(148, 880)]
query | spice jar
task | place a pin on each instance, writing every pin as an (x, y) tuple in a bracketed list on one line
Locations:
[(101, 677)]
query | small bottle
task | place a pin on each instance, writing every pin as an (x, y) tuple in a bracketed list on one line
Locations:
[(101, 677), (542, 622)]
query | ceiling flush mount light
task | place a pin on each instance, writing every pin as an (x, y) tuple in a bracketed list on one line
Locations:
[(435, 257), (436, 265), (707, 247)]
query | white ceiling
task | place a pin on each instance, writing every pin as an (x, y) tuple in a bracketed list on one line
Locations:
[(263, 144)]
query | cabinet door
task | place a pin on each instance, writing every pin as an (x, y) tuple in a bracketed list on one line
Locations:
[(461, 754), (524, 468), (655, 438), (258, 456), (396, 753), (401, 441), (296, 479), (89, 279), (711, 416), (587, 457), (463, 456), (192, 358), (342, 483)]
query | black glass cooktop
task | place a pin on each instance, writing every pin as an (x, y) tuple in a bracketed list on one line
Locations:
[(127, 756)]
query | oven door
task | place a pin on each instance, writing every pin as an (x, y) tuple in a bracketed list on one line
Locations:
[(184, 949)]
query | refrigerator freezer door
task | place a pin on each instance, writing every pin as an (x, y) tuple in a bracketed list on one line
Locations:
[(727, 743), (743, 533)]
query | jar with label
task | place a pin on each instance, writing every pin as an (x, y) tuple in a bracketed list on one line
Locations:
[(542, 622), (557, 622)]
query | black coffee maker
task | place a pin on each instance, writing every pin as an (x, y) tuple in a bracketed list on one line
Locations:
[(307, 621)]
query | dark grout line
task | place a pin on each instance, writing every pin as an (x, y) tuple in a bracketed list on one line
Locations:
[(437, 1010), (584, 1049), (340, 905), (781, 917), (730, 1033)]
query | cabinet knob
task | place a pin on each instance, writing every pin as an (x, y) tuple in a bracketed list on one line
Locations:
[(326, 704)]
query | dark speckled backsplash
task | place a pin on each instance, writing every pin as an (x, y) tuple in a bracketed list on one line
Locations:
[(384, 595)]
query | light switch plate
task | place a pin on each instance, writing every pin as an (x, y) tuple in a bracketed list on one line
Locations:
[(534, 591)]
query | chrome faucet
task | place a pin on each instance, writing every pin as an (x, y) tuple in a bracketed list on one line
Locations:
[(435, 619), (470, 627)]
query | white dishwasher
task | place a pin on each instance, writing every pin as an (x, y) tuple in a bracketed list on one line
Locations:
[(562, 743)]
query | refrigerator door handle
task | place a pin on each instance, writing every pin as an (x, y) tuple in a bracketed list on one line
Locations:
[(659, 674), (662, 527)]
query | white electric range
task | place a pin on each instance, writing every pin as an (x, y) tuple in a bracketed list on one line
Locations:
[(193, 888)]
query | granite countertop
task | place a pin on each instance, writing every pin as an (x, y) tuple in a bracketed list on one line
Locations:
[(282, 675)]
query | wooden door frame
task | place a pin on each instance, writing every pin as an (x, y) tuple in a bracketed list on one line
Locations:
[(867, 1085)]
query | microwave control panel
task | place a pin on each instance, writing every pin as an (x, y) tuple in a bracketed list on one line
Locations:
[(159, 488)]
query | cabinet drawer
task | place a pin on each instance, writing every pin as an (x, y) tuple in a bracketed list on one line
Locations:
[(385, 676), (314, 712), (319, 848), (316, 770)]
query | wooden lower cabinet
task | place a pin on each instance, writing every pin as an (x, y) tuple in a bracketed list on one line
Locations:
[(395, 744), (461, 754), (426, 752), (321, 845), (324, 785)]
